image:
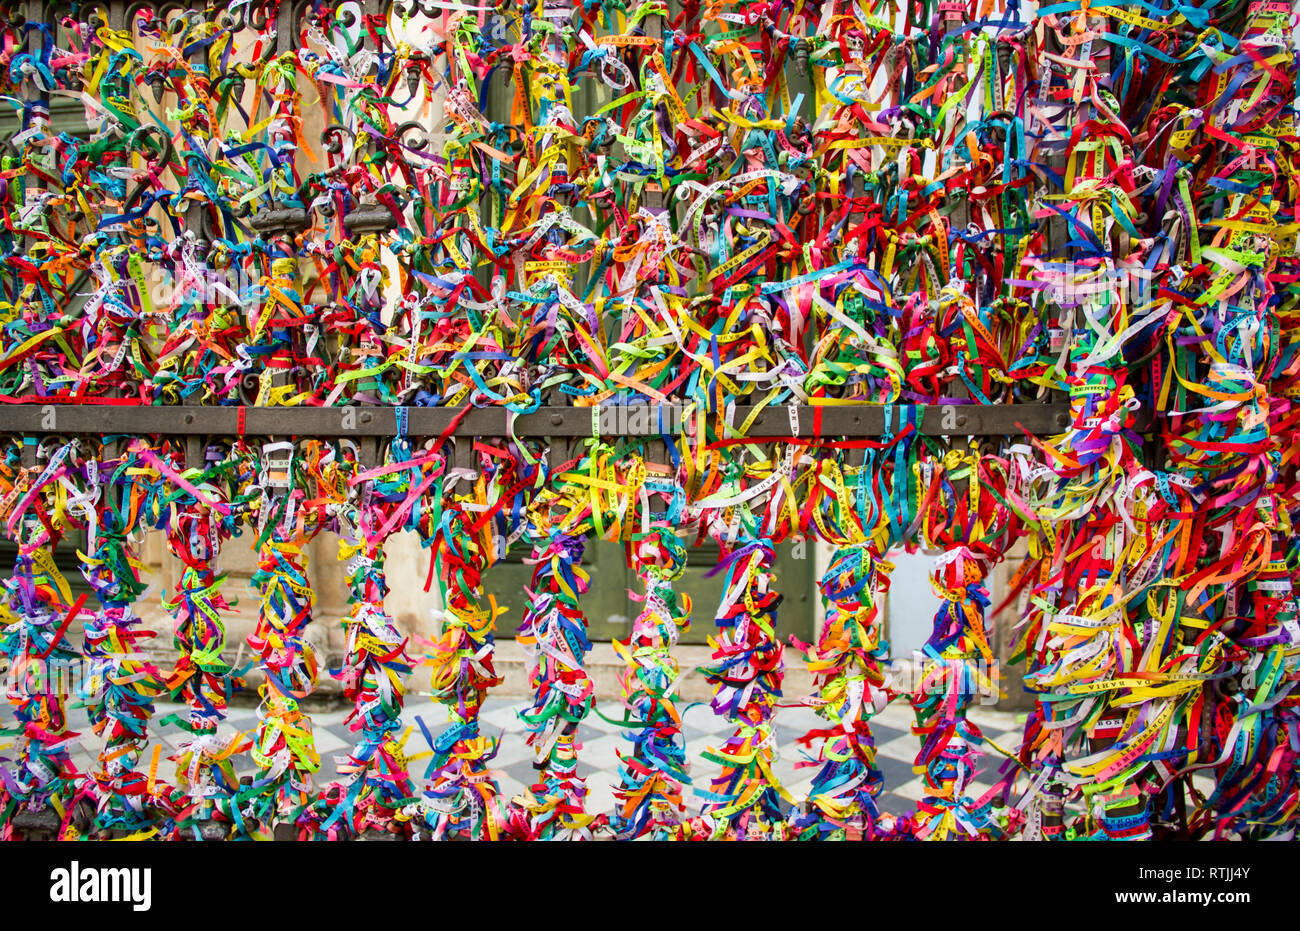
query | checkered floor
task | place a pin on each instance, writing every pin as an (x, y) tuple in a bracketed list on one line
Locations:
[(599, 739)]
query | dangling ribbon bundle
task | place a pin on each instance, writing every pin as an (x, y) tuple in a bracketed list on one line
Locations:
[(654, 773), (462, 794), (745, 798), (121, 683), (283, 747), (42, 664), (847, 664), (554, 808)]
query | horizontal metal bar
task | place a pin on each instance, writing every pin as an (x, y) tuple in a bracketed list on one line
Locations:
[(649, 420), (257, 421)]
